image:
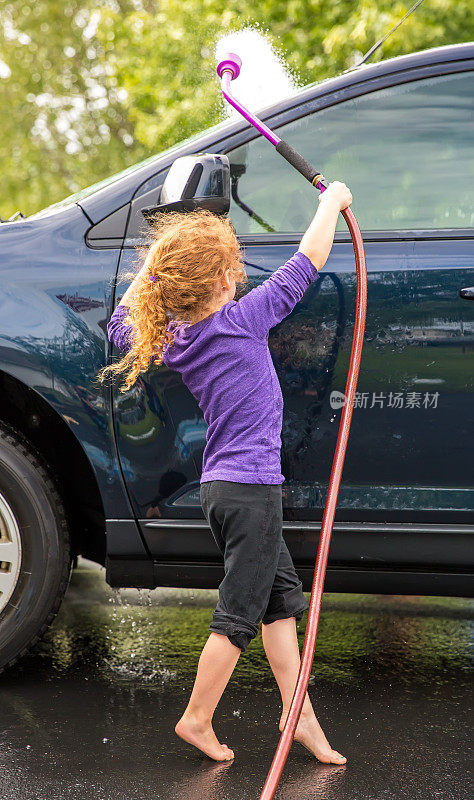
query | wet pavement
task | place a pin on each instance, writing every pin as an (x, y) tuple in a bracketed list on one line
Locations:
[(90, 712)]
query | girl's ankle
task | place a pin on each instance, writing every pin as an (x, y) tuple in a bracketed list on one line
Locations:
[(306, 713), (197, 716)]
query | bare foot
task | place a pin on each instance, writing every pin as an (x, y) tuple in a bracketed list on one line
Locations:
[(203, 737), (310, 734)]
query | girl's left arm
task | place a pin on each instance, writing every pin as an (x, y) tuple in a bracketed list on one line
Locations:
[(118, 331)]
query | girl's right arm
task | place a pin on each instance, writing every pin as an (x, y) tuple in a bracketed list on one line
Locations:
[(267, 304), (317, 241)]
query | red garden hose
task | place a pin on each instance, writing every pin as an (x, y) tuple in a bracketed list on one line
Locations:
[(229, 69)]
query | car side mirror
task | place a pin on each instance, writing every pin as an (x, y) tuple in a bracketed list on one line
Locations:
[(192, 182)]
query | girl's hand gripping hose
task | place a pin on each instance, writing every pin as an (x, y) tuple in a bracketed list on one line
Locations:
[(228, 70)]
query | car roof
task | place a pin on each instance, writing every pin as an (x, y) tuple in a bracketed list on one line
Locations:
[(121, 189)]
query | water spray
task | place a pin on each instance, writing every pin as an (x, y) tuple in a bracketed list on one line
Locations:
[(228, 70)]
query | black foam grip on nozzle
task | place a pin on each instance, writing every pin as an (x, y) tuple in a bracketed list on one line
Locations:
[(298, 162)]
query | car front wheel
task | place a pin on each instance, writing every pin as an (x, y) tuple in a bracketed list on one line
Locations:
[(35, 559)]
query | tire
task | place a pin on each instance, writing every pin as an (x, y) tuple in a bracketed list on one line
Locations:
[(35, 552)]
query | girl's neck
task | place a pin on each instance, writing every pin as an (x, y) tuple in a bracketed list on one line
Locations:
[(207, 313)]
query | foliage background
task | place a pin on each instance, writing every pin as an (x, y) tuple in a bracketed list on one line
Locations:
[(88, 88)]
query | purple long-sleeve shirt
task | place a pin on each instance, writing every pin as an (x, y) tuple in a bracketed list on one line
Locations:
[(225, 362)]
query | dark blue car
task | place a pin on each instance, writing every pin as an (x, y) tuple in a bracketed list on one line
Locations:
[(115, 477)]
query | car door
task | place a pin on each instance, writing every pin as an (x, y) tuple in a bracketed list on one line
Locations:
[(406, 152)]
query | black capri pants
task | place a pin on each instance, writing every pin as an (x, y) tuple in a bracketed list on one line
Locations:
[(260, 581)]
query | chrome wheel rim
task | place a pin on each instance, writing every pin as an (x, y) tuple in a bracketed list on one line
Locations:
[(10, 552)]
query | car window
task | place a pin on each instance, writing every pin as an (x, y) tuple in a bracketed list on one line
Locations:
[(406, 152)]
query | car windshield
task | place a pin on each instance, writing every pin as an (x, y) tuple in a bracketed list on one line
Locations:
[(74, 198)]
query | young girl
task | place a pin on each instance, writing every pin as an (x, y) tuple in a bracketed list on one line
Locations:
[(180, 310)]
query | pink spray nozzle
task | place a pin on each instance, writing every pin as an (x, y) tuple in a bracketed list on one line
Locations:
[(228, 70), (232, 63)]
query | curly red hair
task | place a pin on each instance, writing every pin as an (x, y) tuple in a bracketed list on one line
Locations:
[(188, 253)]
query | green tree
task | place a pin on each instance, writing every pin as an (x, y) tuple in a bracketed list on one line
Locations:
[(62, 119), (88, 88)]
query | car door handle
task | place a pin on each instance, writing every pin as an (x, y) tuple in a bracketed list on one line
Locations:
[(467, 294)]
